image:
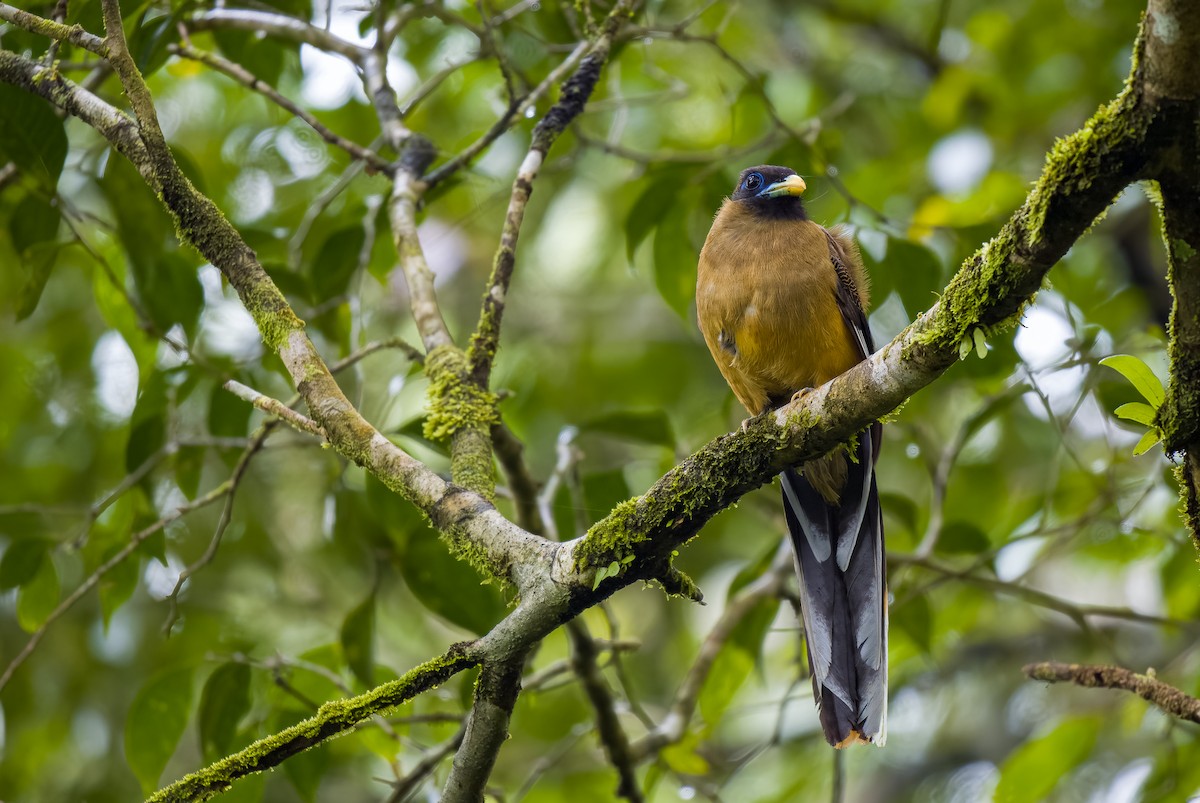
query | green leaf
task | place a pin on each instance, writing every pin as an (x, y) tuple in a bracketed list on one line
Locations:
[(659, 196), (21, 561), (1032, 771), (189, 465), (246, 48), (1139, 412), (645, 426), (1147, 442), (330, 272), (37, 598), (675, 262), (32, 136), (223, 702), (34, 231), (736, 661), (358, 640), (446, 586), (156, 720), (1139, 375), (980, 342), (962, 538), (118, 584), (917, 273), (148, 42), (228, 416), (148, 424), (915, 618)]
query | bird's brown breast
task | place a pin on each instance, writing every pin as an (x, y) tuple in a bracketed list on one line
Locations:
[(766, 299)]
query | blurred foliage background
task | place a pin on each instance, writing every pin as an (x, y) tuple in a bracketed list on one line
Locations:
[(1020, 526)]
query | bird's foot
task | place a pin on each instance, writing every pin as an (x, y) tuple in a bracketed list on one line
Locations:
[(800, 394)]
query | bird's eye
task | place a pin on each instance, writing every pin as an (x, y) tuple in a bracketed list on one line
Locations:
[(752, 182)]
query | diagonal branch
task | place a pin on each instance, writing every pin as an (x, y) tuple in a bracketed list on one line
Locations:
[(243, 76), (574, 97)]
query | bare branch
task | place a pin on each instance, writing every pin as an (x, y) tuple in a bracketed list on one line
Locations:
[(301, 423), (243, 76), (277, 25), (608, 725)]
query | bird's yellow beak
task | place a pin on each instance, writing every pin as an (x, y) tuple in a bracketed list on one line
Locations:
[(792, 185)]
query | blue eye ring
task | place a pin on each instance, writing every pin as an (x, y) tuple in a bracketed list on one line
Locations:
[(753, 182)]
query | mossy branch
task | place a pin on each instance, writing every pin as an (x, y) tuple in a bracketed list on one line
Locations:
[(331, 720), (1166, 697), (1082, 175)]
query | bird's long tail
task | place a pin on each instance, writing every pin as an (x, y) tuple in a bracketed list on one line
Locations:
[(840, 559)]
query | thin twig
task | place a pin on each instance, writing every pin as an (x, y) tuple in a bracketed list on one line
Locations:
[(92, 579), (608, 724), (243, 76), (298, 421)]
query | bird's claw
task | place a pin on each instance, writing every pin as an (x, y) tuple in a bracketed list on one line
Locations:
[(800, 394)]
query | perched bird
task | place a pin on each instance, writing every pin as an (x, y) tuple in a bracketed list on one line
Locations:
[(782, 302)]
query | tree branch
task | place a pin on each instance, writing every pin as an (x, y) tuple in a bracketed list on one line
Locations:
[(574, 97), (486, 730), (243, 76), (332, 719), (1167, 698)]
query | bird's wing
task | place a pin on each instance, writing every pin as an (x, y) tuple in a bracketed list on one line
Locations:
[(849, 297)]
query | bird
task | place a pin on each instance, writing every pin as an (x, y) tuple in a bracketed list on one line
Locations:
[(781, 302)]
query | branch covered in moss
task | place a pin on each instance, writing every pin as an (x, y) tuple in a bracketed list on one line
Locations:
[(1168, 698), (332, 719)]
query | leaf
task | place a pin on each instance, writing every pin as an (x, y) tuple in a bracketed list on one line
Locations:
[(156, 720), (358, 640), (683, 758), (21, 561), (117, 585), (1139, 375), (917, 273), (660, 195), (962, 538), (148, 424), (645, 426), (1139, 412), (446, 586), (980, 342), (223, 702), (675, 262), (228, 416), (189, 465), (1147, 442), (330, 272), (246, 48), (34, 231), (148, 42), (37, 599), (736, 661), (1032, 771), (915, 618), (32, 136)]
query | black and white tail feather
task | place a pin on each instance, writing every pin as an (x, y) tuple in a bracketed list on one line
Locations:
[(840, 560)]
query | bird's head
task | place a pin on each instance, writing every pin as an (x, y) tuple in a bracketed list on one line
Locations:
[(771, 191)]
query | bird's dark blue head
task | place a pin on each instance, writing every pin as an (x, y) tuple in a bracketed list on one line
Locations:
[(771, 191)]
